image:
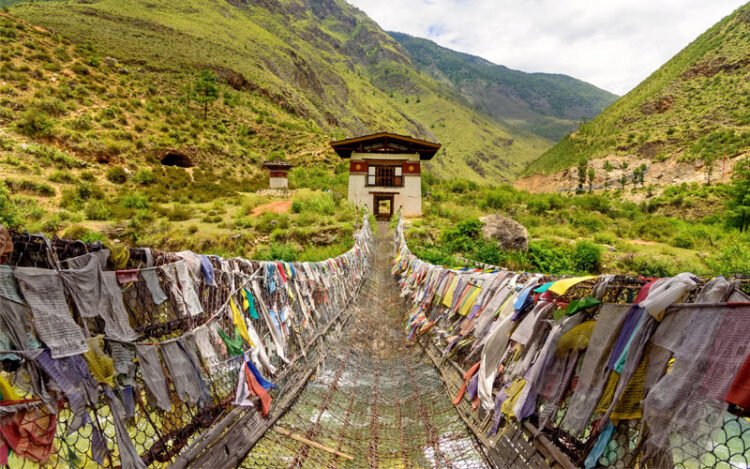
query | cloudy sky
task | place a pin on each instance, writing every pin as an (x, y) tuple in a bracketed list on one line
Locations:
[(613, 44)]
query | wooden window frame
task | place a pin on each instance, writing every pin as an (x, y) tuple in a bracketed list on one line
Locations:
[(385, 175)]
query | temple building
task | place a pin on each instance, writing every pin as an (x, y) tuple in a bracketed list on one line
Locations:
[(278, 170), (385, 173)]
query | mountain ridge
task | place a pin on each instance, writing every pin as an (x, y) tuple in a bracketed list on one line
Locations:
[(689, 112), (548, 104)]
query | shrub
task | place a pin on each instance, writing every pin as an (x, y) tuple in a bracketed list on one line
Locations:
[(82, 123), (652, 267), (587, 257), (287, 252), (80, 68), (546, 257), (86, 235), (179, 213), (63, 177), (8, 210), (54, 107), (33, 187), (35, 123), (682, 240), (144, 177), (117, 175), (501, 199), (134, 201), (97, 210)]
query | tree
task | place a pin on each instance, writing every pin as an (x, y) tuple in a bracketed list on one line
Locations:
[(205, 89), (709, 163), (642, 173), (636, 176), (739, 193), (623, 180), (582, 166), (607, 167), (591, 175)]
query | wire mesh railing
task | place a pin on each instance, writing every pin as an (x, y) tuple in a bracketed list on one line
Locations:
[(41, 421), (683, 357)]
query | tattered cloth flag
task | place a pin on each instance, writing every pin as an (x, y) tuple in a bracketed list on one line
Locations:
[(251, 382)]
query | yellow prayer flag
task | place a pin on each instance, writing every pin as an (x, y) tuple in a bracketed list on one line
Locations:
[(239, 321), (8, 391), (472, 298), (245, 302), (448, 298), (561, 286)]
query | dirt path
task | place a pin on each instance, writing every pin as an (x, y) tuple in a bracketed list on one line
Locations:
[(280, 206)]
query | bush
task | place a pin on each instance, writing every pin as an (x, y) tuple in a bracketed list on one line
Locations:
[(97, 210), (501, 199), (179, 213), (134, 201), (63, 177), (733, 259), (144, 177), (548, 258), (36, 124), (587, 257), (8, 211), (54, 107), (652, 267), (84, 234), (82, 123), (682, 240), (117, 175), (287, 252), (32, 187)]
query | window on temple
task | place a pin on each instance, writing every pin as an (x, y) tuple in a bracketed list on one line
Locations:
[(385, 176)]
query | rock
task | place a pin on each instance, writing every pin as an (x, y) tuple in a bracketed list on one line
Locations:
[(123, 71), (511, 235), (110, 61)]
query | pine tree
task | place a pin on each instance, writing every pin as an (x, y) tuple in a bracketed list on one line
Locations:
[(205, 89)]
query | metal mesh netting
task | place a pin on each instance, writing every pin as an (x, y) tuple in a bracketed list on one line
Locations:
[(375, 399)]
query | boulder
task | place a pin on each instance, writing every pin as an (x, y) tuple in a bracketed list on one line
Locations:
[(511, 235)]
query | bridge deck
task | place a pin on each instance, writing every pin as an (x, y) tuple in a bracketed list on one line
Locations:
[(375, 398)]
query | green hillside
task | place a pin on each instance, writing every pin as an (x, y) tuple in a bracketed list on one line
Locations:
[(549, 105), (325, 63), (695, 107)]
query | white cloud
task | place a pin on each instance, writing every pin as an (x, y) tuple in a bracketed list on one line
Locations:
[(613, 44)]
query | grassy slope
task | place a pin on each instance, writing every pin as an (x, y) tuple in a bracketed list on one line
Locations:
[(681, 230), (546, 104), (67, 121), (696, 104), (325, 62)]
